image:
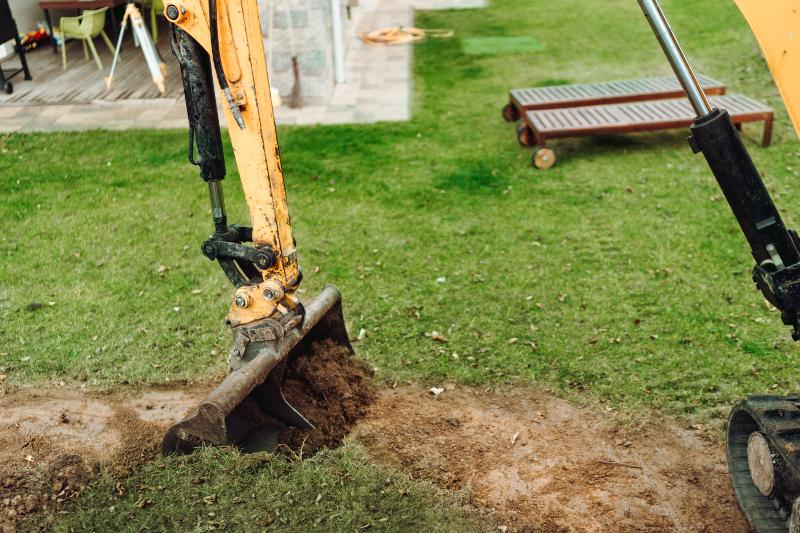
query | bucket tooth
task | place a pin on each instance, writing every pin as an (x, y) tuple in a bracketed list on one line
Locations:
[(245, 408)]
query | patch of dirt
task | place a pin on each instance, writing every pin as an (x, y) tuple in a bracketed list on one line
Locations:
[(53, 443), (332, 389), (544, 465), (537, 462)]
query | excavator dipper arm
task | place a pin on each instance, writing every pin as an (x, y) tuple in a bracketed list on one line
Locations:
[(221, 40), (232, 44)]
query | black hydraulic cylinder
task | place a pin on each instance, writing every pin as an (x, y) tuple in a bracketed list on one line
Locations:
[(201, 105), (715, 135)]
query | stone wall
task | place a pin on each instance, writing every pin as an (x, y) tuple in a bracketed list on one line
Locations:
[(301, 28)]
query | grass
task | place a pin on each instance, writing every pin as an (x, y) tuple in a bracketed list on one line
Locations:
[(620, 265), (619, 276), (479, 46), (215, 489)]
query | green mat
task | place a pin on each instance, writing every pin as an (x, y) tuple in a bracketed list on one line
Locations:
[(495, 46)]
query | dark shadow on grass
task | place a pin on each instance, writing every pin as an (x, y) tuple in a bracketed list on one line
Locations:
[(550, 82), (590, 148), (475, 178)]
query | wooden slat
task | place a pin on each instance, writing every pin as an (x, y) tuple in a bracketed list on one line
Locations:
[(553, 121), (606, 92), (639, 116)]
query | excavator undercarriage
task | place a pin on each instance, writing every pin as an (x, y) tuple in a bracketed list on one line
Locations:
[(764, 460)]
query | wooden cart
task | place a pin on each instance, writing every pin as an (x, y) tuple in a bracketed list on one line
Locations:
[(537, 127), (607, 92)]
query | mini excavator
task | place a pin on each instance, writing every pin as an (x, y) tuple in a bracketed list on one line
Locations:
[(763, 431), (222, 39)]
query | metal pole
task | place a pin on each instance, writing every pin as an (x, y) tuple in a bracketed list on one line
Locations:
[(672, 49), (338, 55)]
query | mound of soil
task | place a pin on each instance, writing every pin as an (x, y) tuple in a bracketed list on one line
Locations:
[(332, 389), (52, 444), (542, 464)]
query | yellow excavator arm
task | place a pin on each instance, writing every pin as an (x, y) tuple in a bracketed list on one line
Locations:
[(221, 40), (253, 135), (776, 25)]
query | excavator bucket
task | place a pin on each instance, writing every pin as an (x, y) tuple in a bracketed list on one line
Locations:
[(248, 408)]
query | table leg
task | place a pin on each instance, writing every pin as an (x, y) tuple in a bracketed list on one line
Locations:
[(767, 137), (114, 28), (50, 29)]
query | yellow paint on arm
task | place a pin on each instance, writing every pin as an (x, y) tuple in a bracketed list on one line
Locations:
[(776, 25)]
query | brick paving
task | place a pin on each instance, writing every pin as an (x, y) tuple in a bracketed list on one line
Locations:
[(377, 87)]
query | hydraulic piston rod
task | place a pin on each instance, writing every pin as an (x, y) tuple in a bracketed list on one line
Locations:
[(675, 56), (772, 245)]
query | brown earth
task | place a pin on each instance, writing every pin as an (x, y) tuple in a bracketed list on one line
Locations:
[(53, 442), (537, 462), (332, 389), (542, 464)]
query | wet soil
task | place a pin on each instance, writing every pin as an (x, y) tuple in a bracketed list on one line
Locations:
[(542, 464), (332, 389)]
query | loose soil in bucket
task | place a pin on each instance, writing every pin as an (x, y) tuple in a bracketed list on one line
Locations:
[(332, 389)]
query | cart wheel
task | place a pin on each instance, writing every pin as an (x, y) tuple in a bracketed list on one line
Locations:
[(8, 87), (524, 135), (510, 112), (543, 157)]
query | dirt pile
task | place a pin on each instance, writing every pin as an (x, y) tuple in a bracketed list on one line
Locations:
[(29, 490), (332, 389), (52, 444), (545, 465)]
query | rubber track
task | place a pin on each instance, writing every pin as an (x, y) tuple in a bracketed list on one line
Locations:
[(778, 419)]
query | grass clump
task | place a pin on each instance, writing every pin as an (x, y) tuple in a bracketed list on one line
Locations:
[(218, 489)]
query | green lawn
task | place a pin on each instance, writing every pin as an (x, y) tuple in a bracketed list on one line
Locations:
[(618, 276)]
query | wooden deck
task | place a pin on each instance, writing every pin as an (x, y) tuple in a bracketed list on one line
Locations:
[(82, 83)]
